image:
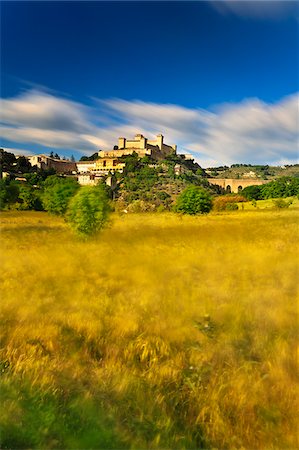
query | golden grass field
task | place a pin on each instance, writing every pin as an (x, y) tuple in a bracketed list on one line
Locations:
[(163, 332)]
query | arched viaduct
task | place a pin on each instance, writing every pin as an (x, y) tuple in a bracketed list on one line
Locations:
[(235, 185)]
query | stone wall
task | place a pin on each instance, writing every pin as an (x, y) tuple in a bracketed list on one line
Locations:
[(236, 185)]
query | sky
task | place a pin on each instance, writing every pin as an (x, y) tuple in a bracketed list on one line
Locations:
[(217, 78)]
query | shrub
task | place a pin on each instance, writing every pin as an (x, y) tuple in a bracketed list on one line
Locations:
[(194, 200), (141, 206), (231, 206), (280, 203), (224, 202), (29, 198), (88, 210), (57, 194)]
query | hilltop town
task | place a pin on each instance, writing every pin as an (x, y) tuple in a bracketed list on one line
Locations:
[(158, 155), (140, 174)]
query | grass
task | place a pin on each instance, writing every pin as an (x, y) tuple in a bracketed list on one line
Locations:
[(162, 332), (267, 204)]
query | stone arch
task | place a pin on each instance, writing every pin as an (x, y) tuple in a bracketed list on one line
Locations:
[(228, 189), (240, 188)]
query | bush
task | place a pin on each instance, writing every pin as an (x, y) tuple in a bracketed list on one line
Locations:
[(57, 194), (194, 200), (141, 206), (280, 203), (231, 207), (88, 211), (29, 198), (225, 202)]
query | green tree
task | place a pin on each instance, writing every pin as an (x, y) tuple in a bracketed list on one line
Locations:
[(22, 165), (9, 193), (57, 194), (252, 192), (29, 198), (93, 157), (7, 161), (282, 187), (194, 200), (88, 211)]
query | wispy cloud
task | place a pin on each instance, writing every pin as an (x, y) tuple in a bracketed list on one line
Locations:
[(251, 131), (257, 9)]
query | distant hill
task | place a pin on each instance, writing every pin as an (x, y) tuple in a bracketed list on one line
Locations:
[(253, 171)]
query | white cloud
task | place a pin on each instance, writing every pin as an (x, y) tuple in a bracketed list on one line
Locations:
[(250, 132), (45, 111)]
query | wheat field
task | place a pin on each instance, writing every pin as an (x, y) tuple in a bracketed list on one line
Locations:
[(162, 332)]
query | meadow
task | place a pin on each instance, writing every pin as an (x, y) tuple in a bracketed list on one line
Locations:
[(163, 331)]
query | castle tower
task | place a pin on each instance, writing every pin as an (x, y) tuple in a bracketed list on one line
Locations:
[(121, 142), (160, 138)]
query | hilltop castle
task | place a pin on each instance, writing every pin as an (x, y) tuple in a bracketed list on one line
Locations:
[(108, 160), (157, 149)]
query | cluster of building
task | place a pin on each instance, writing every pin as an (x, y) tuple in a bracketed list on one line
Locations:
[(108, 161)]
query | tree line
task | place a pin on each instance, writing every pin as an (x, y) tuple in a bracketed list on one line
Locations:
[(281, 188)]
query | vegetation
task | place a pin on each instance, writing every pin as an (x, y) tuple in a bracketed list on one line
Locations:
[(149, 185), (169, 332), (88, 210), (93, 157), (194, 200), (57, 194), (227, 202), (280, 203), (282, 187)]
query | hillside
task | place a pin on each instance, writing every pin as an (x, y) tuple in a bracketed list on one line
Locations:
[(253, 171)]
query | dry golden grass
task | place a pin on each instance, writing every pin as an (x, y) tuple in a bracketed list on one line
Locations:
[(162, 332)]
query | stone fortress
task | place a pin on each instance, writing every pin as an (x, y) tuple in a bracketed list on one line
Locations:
[(157, 149)]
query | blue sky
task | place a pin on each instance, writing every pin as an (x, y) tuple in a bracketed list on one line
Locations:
[(220, 79)]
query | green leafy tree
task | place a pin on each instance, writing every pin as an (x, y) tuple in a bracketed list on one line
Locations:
[(252, 192), (89, 209), (9, 193), (34, 178), (7, 161), (93, 157), (57, 194), (282, 187), (29, 198), (22, 165), (194, 200)]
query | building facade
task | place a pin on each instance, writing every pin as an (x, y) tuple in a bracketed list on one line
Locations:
[(47, 162), (156, 148)]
